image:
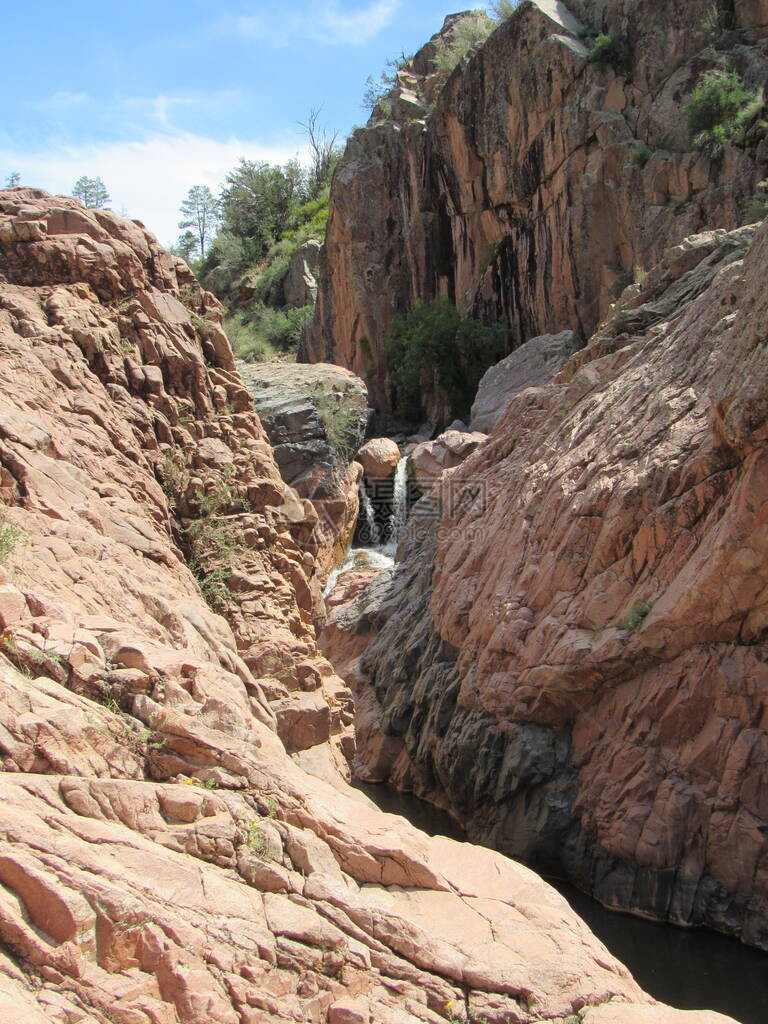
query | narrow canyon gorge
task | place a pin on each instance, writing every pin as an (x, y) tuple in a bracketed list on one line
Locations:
[(230, 592)]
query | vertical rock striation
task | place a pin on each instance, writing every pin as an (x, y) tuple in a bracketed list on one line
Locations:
[(540, 182)]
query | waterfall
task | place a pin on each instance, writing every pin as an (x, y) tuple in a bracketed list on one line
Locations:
[(371, 535), (399, 515)]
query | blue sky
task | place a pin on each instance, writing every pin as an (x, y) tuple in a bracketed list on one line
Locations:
[(158, 96)]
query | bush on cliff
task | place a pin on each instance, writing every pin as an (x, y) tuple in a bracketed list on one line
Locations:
[(503, 9), (716, 99), (468, 33), (433, 345), (610, 52)]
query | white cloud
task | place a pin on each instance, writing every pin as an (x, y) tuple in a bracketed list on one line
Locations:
[(148, 178), (332, 23), (356, 26)]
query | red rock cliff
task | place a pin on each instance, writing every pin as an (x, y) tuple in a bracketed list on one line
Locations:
[(520, 196)]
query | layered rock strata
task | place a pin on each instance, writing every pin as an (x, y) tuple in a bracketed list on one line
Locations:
[(570, 657), (163, 860), (540, 181)]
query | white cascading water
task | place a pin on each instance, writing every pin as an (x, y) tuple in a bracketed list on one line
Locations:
[(366, 505), (399, 516)]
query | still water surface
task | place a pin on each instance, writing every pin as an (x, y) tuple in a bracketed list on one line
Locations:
[(691, 969)]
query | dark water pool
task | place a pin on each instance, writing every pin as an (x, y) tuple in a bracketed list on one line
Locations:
[(691, 969)]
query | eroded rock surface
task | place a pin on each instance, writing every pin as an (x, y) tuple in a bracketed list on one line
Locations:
[(163, 860), (573, 656)]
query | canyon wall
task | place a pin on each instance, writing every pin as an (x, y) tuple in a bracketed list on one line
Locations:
[(570, 656), (526, 195), (177, 843)]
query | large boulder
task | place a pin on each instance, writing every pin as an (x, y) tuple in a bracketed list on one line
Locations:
[(379, 458), (533, 364)]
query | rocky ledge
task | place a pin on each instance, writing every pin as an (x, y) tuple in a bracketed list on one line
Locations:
[(163, 858)]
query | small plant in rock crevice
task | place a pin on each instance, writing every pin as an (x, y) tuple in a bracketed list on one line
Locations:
[(636, 616), (10, 537), (342, 422), (216, 541)]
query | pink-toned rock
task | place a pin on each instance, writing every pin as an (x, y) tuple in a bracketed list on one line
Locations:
[(163, 859), (428, 461), (379, 458)]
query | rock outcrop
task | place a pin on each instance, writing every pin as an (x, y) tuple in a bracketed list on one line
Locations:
[(533, 364), (541, 181), (430, 459), (315, 418), (571, 655), (300, 284), (163, 860)]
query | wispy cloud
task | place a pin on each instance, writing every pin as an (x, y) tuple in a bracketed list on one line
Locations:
[(357, 26), (333, 23), (147, 178)]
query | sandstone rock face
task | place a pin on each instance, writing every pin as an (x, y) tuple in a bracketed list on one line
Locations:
[(300, 284), (379, 458), (533, 364), (575, 643), (163, 860), (315, 416), (521, 197), (429, 460)]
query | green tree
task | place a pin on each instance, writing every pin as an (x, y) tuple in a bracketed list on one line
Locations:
[(186, 246), (13, 179), (433, 344), (200, 215), (258, 201), (91, 192)]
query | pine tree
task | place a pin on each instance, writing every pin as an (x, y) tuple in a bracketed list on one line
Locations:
[(200, 213), (91, 192), (13, 180)]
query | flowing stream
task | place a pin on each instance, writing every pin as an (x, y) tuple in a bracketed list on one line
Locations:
[(688, 968)]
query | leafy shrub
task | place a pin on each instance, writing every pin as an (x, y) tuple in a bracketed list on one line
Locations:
[(10, 536), (468, 33), (433, 343), (712, 141), (261, 333), (749, 126), (636, 615), (641, 155), (717, 97), (610, 52), (269, 287)]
